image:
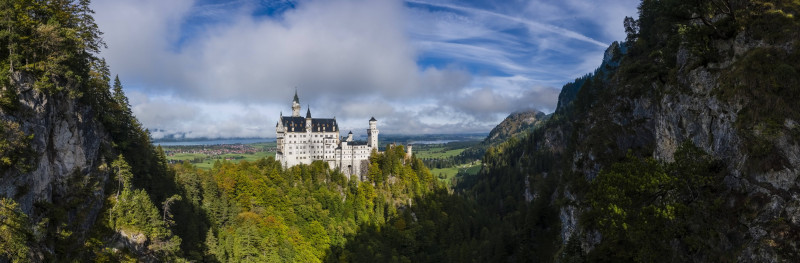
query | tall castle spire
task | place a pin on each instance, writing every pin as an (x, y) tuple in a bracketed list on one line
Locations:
[(295, 105)]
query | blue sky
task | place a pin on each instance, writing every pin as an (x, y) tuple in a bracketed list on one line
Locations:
[(229, 68)]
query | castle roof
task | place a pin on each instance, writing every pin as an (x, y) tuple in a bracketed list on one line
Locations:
[(354, 143), (296, 99), (317, 124), (373, 119), (308, 113)]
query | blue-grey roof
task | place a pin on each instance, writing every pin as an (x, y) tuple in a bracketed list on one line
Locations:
[(355, 143), (317, 125)]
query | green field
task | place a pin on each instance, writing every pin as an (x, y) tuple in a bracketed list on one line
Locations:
[(446, 151), (236, 158), (447, 174), (186, 156), (436, 152), (264, 144), (208, 160)]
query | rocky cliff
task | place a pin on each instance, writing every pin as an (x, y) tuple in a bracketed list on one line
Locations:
[(763, 193), (726, 86), (690, 110), (61, 185)]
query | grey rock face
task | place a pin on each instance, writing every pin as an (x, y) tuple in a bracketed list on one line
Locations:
[(692, 112), (69, 144)]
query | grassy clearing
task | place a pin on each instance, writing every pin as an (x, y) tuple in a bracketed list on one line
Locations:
[(207, 165), (186, 156), (447, 174), (265, 150), (236, 158), (264, 145), (437, 152)]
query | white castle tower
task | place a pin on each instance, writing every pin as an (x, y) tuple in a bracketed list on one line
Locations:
[(372, 134)]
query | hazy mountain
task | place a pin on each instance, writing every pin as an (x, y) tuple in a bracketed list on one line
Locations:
[(513, 125)]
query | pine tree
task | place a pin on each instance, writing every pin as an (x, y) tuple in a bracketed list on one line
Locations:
[(121, 99), (123, 172), (14, 232), (211, 244)]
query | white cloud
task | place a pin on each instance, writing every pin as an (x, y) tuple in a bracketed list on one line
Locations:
[(485, 104), (163, 112), (139, 36), (215, 70), (166, 115), (533, 25), (326, 48)]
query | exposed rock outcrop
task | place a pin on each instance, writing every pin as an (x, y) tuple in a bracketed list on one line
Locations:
[(692, 110), (513, 125), (67, 169)]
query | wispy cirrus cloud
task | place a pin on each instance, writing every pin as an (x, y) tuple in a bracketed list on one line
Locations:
[(531, 24), (418, 66)]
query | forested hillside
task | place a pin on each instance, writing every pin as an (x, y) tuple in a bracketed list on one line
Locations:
[(79, 178), (259, 212), (682, 146), (515, 125)]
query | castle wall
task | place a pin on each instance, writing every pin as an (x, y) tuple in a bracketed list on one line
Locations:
[(305, 147), (303, 141)]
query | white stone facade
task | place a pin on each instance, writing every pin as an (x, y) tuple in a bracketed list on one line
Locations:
[(304, 140)]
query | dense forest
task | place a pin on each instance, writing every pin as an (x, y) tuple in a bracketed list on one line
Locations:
[(662, 174), (244, 212), (696, 160), (682, 166), (49, 52)]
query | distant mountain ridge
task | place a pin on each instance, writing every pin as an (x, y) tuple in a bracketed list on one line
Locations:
[(513, 125)]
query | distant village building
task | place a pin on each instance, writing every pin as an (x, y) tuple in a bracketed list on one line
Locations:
[(304, 140)]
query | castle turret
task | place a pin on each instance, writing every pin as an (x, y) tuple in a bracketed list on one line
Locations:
[(308, 119), (349, 137), (296, 105), (372, 133)]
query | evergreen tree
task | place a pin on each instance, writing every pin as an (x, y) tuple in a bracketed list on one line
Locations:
[(15, 232), (121, 99), (122, 170)]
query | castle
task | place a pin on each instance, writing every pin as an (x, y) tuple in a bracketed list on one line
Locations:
[(304, 140)]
